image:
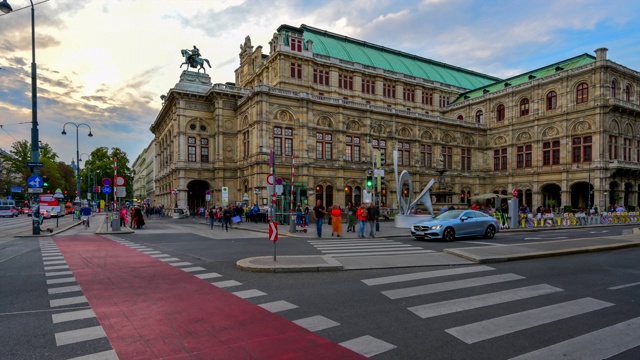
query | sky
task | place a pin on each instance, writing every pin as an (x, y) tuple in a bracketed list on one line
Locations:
[(105, 63)]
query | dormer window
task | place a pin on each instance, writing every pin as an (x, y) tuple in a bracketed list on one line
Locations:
[(296, 44)]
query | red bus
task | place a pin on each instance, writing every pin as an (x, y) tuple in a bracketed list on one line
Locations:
[(51, 205)]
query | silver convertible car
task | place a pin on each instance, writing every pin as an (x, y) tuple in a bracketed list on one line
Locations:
[(456, 223)]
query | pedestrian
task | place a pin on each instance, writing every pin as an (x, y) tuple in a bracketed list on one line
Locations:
[(306, 215), (351, 217), (227, 214), (336, 220), (123, 216), (362, 215), (298, 214), (372, 216), (318, 215), (139, 219), (212, 217)]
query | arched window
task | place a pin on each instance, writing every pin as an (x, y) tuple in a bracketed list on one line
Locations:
[(460, 117), (613, 88), (552, 100), (627, 93), (479, 116), (500, 113), (582, 93), (524, 107)]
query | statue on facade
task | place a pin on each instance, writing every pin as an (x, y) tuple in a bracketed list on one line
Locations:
[(192, 59)]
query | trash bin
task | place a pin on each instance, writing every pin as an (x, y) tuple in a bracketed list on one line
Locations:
[(115, 224)]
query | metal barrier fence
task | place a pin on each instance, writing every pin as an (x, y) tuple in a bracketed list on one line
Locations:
[(580, 219)]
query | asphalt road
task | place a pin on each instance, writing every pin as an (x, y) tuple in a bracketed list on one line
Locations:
[(443, 312)]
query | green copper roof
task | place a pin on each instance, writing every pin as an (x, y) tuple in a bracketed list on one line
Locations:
[(345, 48), (528, 76)]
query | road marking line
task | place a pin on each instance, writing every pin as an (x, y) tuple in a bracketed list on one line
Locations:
[(45, 258), (508, 324), (372, 248), (64, 289), (368, 346), (482, 243), (159, 256), (68, 301), (151, 252), (383, 253), (601, 344), (58, 273), (425, 275), (58, 267), (316, 323), (332, 248), (192, 269), (170, 259), (450, 285), (278, 306), (246, 294), (104, 355), (60, 281), (75, 336), (54, 262), (226, 284), (184, 263), (474, 302), (624, 286), (73, 315), (208, 276)]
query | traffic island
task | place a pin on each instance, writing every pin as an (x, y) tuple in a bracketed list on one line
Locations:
[(311, 263)]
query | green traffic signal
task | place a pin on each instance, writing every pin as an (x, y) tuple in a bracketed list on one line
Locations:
[(369, 181), (45, 181)]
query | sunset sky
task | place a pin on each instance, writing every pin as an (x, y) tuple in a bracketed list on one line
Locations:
[(106, 62)]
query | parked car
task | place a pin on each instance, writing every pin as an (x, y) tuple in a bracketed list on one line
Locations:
[(456, 223), (180, 213), (8, 211)]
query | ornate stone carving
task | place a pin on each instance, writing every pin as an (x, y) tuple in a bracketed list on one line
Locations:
[(448, 138), (198, 106), (581, 126), (614, 127), (467, 140), (325, 121), (284, 116), (404, 132), (524, 136), (500, 140), (427, 135), (353, 125), (551, 131)]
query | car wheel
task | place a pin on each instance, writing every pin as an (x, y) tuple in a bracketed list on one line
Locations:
[(449, 234), (490, 232)]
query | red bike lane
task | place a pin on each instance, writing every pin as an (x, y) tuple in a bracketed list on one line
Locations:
[(152, 310)]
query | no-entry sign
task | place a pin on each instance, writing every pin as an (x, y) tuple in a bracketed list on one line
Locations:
[(273, 231)]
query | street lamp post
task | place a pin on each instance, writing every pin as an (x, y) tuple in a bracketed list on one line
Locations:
[(77, 150), (376, 198), (35, 150), (88, 174)]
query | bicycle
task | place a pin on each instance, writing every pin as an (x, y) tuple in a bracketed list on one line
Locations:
[(85, 222)]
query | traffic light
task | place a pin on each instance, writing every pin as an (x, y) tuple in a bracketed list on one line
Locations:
[(369, 181), (45, 181)]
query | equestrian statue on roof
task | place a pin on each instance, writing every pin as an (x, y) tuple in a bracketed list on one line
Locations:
[(192, 59)]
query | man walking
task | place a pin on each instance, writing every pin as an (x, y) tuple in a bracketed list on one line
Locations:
[(318, 214)]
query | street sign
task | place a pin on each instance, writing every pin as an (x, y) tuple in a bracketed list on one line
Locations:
[(58, 194), (33, 164), (106, 189), (208, 192), (121, 191), (34, 190), (106, 181), (377, 172), (515, 192), (273, 231), (279, 189), (35, 181), (96, 189), (16, 189), (279, 181), (120, 181), (270, 179), (245, 197)]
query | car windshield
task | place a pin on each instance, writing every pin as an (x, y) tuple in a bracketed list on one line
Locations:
[(4, 208), (448, 215)]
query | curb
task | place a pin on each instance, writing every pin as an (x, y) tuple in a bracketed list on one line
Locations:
[(289, 264)]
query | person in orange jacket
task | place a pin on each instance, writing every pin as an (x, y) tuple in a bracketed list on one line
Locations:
[(362, 215), (336, 220)]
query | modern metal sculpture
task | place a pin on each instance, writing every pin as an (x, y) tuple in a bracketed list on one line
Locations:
[(406, 216)]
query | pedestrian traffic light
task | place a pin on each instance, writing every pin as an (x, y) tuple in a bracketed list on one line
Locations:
[(369, 181), (45, 181)]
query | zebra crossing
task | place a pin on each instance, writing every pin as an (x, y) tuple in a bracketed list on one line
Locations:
[(365, 247), (75, 323), (586, 346)]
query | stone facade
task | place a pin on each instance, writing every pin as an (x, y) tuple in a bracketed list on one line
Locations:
[(320, 111)]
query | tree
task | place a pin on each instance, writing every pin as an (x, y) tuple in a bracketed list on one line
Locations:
[(21, 154), (101, 165)]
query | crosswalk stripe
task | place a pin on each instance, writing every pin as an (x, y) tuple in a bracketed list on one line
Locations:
[(58, 273), (474, 302), (624, 286), (57, 267), (151, 252), (208, 276), (351, 242), (74, 336), (226, 284), (192, 269), (316, 323), (601, 344), (170, 259), (425, 275), (246, 294), (64, 289), (60, 281), (183, 263), (368, 346), (277, 306), (68, 301), (159, 255), (338, 248), (72, 315), (383, 253), (508, 324), (450, 285), (370, 248), (54, 262), (104, 355)]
